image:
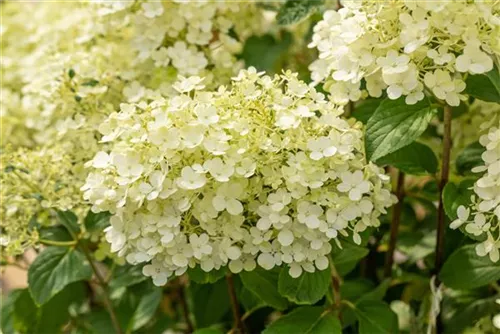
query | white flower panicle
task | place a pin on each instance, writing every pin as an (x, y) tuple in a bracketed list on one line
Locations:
[(483, 219), (404, 47), (265, 173)]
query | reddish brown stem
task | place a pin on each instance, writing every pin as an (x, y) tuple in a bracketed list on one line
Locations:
[(238, 326)]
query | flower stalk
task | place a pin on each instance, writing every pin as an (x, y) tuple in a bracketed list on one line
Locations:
[(396, 220), (238, 326)]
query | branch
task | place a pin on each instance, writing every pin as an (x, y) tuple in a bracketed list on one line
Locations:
[(336, 282), (184, 305), (445, 170), (238, 323), (396, 219), (104, 286)]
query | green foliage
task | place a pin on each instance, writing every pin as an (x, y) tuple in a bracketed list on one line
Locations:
[(345, 259), (456, 195), (475, 271), (55, 268), (365, 109), (69, 220), (376, 318), (146, 308), (306, 320), (395, 125), (264, 284), (294, 11), (96, 221), (307, 289), (414, 159), (469, 158), (265, 52), (210, 302), (199, 276), (485, 87)]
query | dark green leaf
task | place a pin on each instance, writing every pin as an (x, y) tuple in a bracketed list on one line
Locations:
[(365, 109), (306, 320), (470, 313), (55, 233), (146, 309), (71, 73), (469, 158), (55, 268), (264, 284), (69, 220), (210, 302), (209, 330), (464, 269), (485, 87), (26, 313), (376, 317), (414, 159), (306, 289), (250, 301), (294, 11), (345, 259), (7, 310), (96, 221), (264, 52), (199, 276), (127, 275), (395, 125), (454, 196)]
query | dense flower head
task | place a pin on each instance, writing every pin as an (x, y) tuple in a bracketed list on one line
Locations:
[(482, 219), (263, 173), (31, 182), (404, 47)]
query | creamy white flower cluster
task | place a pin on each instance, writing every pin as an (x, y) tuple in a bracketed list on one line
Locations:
[(404, 47), (484, 220), (263, 173), (184, 37)]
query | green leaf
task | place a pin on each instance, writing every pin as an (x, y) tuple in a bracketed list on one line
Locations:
[(55, 233), (127, 275), (468, 314), (306, 320), (464, 269), (208, 330), (376, 317), (96, 221), (7, 310), (210, 302), (69, 220), (26, 313), (306, 289), (201, 277), (90, 83), (469, 158), (264, 284), (55, 268), (395, 125), (250, 301), (365, 109), (265, 52), (414, 159), (454, 196), (345, 259), (294, 11), (146, 309), (485, 87)]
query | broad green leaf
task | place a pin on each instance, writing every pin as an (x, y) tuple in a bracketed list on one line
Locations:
[(264, 284), (55, 233), (7, 310), (294, 11), (464, 269), (199, 276), (146, 309), (26, 313), (306, 320), (365, 109), (414, 159), (96, 221), (345, 259), (352, 290), (127, 275), (69, 220), (55, 268), (485, 87), (469, 158), (306, 289), (265, 52), (210, 302), (470, 313), (456, 195), (209, 330), (376, 317), (395, 125), (249, 300)]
